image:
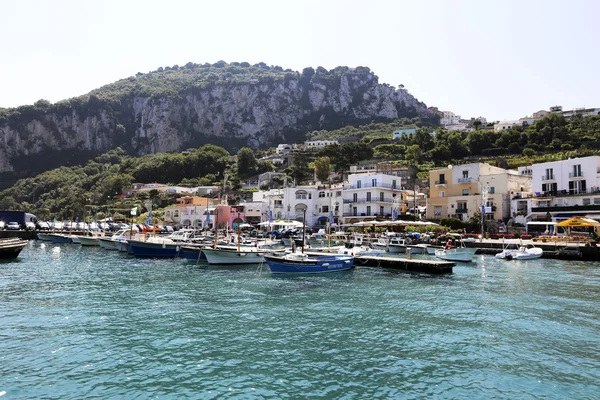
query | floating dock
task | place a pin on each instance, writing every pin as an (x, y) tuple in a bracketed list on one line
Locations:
[(405, 264)]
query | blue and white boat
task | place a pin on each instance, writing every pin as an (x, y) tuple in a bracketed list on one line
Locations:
[(193, 253), (301, 263)]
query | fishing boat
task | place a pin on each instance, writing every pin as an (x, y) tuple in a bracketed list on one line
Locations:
[(228, 255), (300, 262), (89, 240), (305, 264), (11, 248), (459, 253), (193, 253)]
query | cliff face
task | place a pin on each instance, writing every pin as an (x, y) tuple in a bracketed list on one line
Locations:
[(249, 111)]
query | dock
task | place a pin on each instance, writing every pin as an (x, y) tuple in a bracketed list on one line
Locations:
[(405, 264), (553, 250)]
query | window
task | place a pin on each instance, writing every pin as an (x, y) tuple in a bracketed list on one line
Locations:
[(394, 184), (310, 196), (368, 210), (577, 171), (354, 211), (465, 174), (549, 173), (442, 194), (176, 213), (586, 202), (338, 193), (442, 179), (492, 190), (381, 211), (358, 185), (301, 195), (465, 192), (325, 209), (381, 196), (368, 196), (374, 182), (321, 194), (355, 197), (437, 211)]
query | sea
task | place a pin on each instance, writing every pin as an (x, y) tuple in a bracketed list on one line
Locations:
[(87, 323)]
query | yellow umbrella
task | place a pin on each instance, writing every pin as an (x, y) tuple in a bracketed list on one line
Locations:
[(578, 221)]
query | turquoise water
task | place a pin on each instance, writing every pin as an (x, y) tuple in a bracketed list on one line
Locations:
[(87, 323)]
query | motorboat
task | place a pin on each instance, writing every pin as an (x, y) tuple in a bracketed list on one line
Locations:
[(524, 252), (233, 255), (459, 253)]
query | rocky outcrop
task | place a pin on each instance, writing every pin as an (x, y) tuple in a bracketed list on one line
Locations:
[(253, 111)]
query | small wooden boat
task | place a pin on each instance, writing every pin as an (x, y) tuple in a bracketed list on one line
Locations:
[(305, 264), (11, 248)]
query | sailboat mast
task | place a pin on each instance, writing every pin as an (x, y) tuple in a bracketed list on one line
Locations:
[(303, 229)]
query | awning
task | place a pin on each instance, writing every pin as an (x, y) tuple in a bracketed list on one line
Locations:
[(322, 219)]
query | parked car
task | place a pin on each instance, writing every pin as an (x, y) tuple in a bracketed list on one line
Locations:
[(13, 226), (30, 226), (43, 226)]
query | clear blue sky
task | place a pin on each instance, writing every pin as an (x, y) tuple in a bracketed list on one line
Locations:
[(497, 59)]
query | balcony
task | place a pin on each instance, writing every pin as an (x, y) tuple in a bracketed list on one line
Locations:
[(465, 180), (371, 200), (444, 182), (366, 185), (573, 175), (548, 178), (461, 210), (567, 193)]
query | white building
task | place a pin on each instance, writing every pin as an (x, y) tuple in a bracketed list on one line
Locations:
[(449, 118), (318, 144), (292, 202), (503, 125), (284, 148), (562, 189), (371, 196)]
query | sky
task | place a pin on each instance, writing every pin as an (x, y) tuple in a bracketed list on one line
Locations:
[(496, 59)]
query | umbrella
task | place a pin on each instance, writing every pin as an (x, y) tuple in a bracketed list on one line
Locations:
[(578, 221)]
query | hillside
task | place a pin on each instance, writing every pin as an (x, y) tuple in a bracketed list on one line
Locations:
[(175, 108)]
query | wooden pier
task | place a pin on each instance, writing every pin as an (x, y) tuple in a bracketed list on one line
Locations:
[(405, 264)]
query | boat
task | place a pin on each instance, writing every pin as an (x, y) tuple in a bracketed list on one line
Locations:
[(528, 252), (432, 248), (397, 245), (460, 253), (44, 236), (305, 264), (89, 240), (193, 253), (11, 248), (60, 238), (231, 255)]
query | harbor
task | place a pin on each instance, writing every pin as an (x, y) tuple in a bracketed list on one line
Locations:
[(119, 325)]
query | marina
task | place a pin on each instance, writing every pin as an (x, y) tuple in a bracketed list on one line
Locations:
[(115, 326)]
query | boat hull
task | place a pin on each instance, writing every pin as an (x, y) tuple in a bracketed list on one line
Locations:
[(11, 248), (88, 241), (233, 257), (462, 254), (323, 264), (193, 254), (44, 236), (148, 249), (107, 243), (57, 238), (396, 248)]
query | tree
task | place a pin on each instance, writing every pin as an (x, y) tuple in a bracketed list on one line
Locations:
[(322, 168), (477, 124), (246, 162), (413, 154)]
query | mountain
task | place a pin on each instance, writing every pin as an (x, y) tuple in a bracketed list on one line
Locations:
[(175, 108)]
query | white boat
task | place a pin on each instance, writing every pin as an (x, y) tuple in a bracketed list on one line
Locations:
[(528, 252), (397, 245), (460, 253), (230, 255), (89, 240), (432, 248)]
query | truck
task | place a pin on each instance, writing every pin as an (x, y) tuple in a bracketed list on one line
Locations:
[(21, 217)]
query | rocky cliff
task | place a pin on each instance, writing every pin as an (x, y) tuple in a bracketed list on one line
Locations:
[(172, 109)]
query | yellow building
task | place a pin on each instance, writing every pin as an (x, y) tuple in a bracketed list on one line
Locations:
[(460, 191)]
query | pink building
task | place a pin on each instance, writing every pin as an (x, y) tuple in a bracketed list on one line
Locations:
[(228, 216)]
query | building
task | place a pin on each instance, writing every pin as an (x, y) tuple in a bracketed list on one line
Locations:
[(566, 188), (403, 132), (189, 211), (503, 125), (372, 196), (253, 211), (449, 118), (460, 191), (318, 144), (266, 178), (384, 167), (284, 148), (291, 203)]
